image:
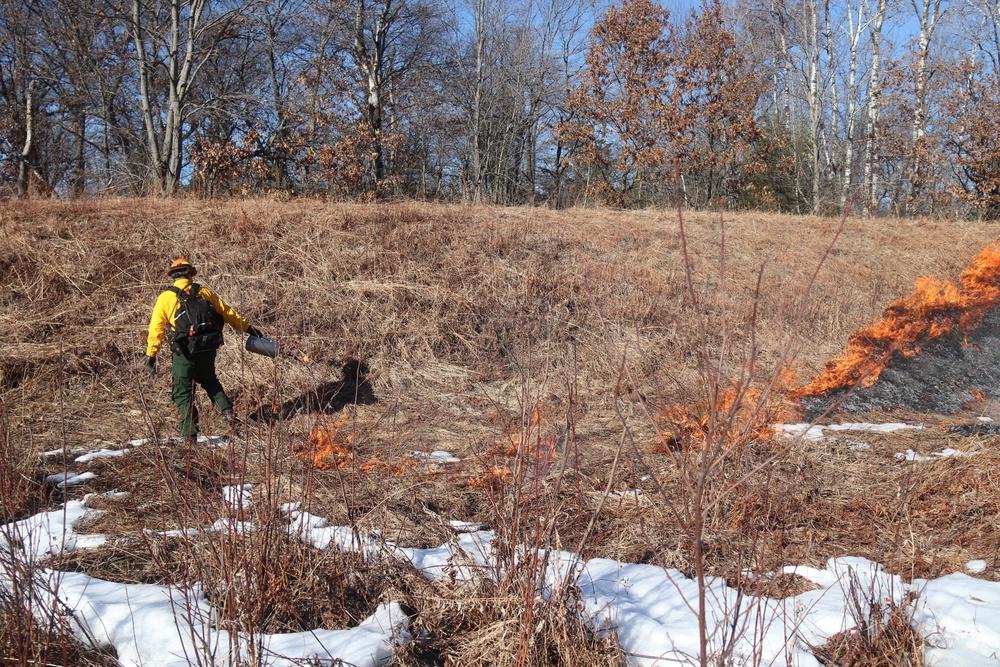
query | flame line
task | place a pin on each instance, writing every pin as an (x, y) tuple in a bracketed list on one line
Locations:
[(934, 309)]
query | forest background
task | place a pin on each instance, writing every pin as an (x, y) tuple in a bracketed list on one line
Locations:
[(792, 105)]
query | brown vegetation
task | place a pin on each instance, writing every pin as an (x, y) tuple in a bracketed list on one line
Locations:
[(499, 335)]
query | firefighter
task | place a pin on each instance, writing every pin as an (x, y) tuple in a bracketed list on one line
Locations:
[(190, 318)]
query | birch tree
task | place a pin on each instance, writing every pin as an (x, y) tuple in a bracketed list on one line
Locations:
[(391, 38), (857, 18), (20, 93), (810, 23), (873, 121), (927, 12)]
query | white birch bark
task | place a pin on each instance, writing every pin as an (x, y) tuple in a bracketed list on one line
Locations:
[(855, 27), (928, 12), (830, 136), (811, 25), (23, 166), (873, 129)]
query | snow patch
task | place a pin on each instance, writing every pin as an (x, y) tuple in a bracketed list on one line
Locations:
[(316, 531), (64, 479), (910, 455), (975, 566), (238, 497), (102, 454), (817, 432), (465, 526), (48, 533), (437, 456)]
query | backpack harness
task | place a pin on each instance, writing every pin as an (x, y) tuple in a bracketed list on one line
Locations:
[(197, 325)]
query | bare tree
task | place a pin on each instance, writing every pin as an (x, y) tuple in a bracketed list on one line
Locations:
[(927, 12), (21, 92), (857, 19), (172, 39), (391, 38), (566, 22), (280, 21), (811, 35), (874, 116)]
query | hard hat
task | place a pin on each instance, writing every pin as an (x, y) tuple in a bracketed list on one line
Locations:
[(180, 264)]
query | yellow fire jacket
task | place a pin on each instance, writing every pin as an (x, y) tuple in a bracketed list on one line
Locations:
[(167, 305)]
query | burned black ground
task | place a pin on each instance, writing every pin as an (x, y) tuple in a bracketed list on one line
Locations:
[(949, 375)]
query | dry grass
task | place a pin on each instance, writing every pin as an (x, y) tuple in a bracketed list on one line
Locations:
[(482, 625), (884, 638), (468, 319)]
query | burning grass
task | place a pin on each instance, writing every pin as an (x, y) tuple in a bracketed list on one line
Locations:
[(935, 308), (737, 416), (330, 446)]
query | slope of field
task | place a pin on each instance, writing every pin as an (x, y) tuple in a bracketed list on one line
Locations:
[(556, 377)]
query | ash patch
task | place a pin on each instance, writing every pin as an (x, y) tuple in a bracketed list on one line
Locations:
[(944, 379), (970, 430)]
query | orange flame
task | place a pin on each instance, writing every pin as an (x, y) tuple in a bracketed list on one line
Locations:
[(527, 443), (488, 477), (329, 447), (742, 413), (934, 309)]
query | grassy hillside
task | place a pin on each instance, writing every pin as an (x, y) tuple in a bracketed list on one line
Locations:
[(419, 292), (551, 351)]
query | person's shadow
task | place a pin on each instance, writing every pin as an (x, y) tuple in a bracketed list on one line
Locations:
[(327, 398)]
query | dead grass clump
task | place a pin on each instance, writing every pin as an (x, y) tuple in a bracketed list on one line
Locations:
[(302, 589), (20, 490), (885, 637), (128, 560), (776, 586), (483, 625), (24, 642)]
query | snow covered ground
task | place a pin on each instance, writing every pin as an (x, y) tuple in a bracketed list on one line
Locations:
[(650, 608)]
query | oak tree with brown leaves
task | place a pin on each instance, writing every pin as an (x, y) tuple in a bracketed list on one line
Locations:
[(973, 137), (621, 105), (658, 98)]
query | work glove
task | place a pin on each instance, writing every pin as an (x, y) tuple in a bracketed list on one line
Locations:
[(255, 332), (151, 365)]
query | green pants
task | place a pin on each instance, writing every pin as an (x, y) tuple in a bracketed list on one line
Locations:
[(188, 371)]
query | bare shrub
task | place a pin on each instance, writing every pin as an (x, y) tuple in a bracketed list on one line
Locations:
[(885, 637), (35, 628)]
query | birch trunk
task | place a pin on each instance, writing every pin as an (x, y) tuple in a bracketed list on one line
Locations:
[(23, 165), (928, 12), (166, 143), (371, 59), (815, 108), (855, 27), (833, 164), (873, 128)]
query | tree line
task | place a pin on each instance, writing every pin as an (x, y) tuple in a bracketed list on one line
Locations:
[(889, 106)]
